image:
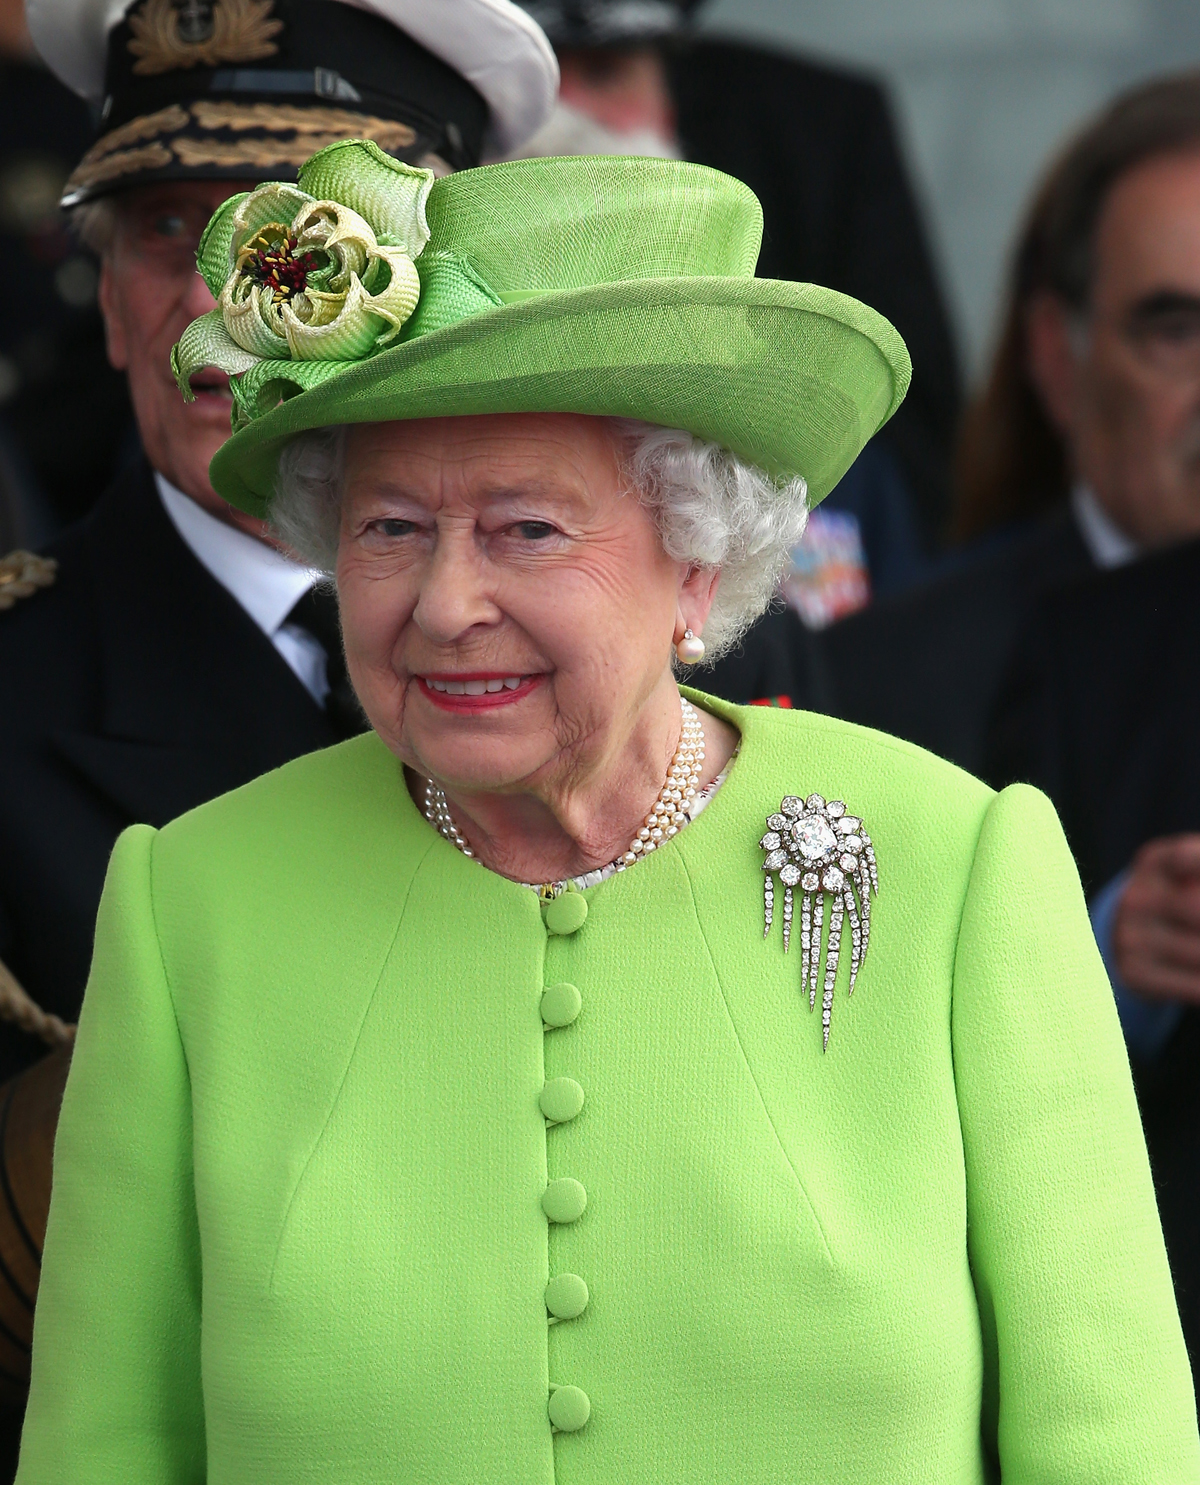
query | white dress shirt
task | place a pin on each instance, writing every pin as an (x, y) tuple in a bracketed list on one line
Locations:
[(265, 582), (1107, 544)]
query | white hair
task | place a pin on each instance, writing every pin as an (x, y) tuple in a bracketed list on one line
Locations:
[(94, 223), (712, 511)]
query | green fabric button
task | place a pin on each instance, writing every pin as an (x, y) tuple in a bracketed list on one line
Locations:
[(564, 1200), (561, 1003), (566, 1296), (569, 1408), (566, 913), (561, 1099)]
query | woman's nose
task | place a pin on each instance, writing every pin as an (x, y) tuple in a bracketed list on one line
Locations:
[(454, 596)]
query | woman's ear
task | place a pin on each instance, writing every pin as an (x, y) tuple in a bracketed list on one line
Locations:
[(696, 599)]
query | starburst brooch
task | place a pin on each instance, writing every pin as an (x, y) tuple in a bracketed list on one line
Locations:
[(817, 847)]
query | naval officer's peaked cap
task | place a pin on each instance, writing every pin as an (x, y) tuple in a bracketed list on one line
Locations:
[(249, 89)]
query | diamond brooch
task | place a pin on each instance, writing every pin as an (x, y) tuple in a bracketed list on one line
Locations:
[(817, 847)]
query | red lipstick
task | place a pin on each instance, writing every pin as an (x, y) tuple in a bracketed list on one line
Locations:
[(462, 703)]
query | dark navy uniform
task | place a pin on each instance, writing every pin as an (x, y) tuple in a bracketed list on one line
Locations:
[(135, 687)]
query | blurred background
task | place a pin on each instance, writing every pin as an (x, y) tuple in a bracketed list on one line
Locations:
[(984, 92)]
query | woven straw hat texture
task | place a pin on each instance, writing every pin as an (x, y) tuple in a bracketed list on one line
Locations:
[(626, 289)]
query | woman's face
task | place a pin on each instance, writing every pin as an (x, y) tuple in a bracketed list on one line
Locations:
[(508, 610)]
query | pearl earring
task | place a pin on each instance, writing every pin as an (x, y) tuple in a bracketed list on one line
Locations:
[(690, 649)]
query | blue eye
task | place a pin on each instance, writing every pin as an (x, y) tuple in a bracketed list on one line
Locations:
[(393, 527), (535, 530)]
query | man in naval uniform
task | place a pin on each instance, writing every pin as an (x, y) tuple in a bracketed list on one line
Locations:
[(173, 653)]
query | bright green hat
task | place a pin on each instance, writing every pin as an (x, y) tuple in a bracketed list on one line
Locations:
[(619, 287)]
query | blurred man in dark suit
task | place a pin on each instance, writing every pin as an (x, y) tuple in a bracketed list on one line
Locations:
[(1080, 454), (1101, 706)]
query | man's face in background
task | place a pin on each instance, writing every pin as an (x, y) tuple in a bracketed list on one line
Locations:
[(1123, 382), (625, 90), (149, 293)]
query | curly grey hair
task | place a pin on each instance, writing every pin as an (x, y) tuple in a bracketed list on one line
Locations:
[(711, 510)]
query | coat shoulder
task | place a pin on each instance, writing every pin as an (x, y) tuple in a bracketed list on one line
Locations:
[(799, 745), (297, 879), (50, 625), (1124, 604), (916, 807), (22, 574), (47, 640), (34, 586), (294, 814)]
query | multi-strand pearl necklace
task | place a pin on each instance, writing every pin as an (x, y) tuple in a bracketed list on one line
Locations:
[(669, 815)]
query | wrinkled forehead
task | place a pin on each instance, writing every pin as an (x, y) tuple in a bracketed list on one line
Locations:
[(1148, 234), (174, 211), (483, 457)]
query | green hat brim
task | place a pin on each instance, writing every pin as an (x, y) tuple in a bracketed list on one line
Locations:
[(792, 378)]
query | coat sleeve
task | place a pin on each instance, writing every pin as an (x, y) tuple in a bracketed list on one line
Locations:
[(116, 1392), (1086, 1377)]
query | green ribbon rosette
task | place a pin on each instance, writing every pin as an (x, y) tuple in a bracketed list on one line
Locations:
[(309, 278)]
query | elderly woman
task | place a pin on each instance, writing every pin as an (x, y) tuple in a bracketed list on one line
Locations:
[(441, 1109)]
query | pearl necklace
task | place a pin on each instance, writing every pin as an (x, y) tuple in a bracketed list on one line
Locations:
[(667, 818)]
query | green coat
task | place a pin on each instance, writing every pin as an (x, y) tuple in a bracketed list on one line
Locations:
[(297, 1232)]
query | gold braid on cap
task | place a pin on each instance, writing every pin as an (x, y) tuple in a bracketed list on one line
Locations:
[(293, 134), (227, 153), (148, 126), (125, 162), (278, 118)]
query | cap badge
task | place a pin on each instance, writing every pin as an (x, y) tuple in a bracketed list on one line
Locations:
[(173, 34), (816, 846)]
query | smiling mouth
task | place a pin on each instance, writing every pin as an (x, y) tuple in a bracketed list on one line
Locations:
[(214, 384), (472, 692)]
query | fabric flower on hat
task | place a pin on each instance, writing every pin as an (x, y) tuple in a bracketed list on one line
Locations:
[(320, 274)]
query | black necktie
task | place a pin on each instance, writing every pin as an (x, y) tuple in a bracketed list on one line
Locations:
[(317, 612)]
